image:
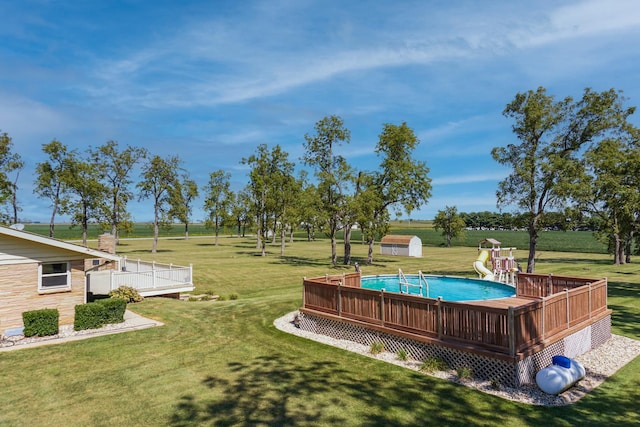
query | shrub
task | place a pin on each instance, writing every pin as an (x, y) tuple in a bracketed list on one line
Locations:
[(233, 296), (464, 372), (376, 347), (126, 293), (114, 309), (433, 365), (402, 354), (89, 316), (222, 298), (40, 322)]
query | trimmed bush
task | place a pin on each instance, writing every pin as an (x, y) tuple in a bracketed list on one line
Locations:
[(126, 293), (114, 309), (40, 322), (89, 316)]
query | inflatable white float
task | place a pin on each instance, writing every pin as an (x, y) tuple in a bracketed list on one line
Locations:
[(560, 376)]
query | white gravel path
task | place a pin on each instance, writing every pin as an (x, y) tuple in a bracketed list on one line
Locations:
[(600, 363)]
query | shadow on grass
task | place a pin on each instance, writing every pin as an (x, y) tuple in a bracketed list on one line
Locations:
[(276, 391), (571, 261)]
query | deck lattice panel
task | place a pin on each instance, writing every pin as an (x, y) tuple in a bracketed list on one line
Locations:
[(508, 373)]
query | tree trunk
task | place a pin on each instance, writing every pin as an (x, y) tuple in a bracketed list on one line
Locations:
[(448, 240), (347, 244), (370, 252), (283, 237), (186, 231), (533, 240)]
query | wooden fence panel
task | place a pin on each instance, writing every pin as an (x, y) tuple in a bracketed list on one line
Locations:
[(320, 296), (484, 326), (360, 304), (408, 313)]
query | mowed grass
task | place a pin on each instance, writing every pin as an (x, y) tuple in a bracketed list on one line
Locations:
[(224, 363)]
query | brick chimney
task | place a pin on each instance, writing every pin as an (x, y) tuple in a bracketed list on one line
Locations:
[(107, 243)]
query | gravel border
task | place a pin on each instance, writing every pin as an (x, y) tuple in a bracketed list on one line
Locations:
[(132, 322), (600, 363)]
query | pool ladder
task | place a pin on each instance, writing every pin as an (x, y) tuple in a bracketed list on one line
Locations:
[(402, 281)]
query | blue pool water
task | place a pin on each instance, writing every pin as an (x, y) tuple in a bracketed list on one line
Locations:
[(447, 287)]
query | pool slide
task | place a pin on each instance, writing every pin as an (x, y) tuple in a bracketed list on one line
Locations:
[(479, 266)]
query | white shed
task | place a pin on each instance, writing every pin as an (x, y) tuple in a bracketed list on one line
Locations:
[(401, 245)]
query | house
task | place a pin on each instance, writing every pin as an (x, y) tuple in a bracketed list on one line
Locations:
[(401, 245), (39, 272)]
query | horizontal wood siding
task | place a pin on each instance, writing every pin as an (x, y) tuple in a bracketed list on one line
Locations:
[(19, 293)]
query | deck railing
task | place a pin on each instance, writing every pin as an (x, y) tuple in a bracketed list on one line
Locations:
[(504, 330), (149, 276)]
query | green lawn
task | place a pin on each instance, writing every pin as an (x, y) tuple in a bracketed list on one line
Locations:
[(224, 363)]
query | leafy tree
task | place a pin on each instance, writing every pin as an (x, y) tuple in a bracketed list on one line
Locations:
[(308, 208), (158, 182), (218, 200), (83, 183), (609, 190), (271, 185), (116, 167), (182, 196), (400, 183), (50, 179), (450, 222), (241, 210), (552, 136), (9, 162), (332, 172)]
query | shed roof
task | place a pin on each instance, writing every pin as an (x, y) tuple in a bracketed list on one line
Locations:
[(397, 239)]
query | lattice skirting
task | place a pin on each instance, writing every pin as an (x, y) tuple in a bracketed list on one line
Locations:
[(508, 373)]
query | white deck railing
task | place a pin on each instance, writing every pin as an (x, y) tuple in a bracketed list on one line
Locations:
[(148, 278)]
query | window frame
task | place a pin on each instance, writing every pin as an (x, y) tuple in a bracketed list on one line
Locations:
[(55, 288)]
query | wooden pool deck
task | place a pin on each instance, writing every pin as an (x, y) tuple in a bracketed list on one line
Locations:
[(544, 310)]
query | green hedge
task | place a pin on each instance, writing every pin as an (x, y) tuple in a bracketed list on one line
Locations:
[(99, 313), (114, 309), (40, 323)]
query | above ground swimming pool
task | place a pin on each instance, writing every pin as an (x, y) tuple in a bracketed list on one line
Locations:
[(448, 287)]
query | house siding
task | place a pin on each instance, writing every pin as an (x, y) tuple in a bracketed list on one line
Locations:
[(19, 293)]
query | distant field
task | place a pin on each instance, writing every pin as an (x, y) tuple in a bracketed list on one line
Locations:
[(569, 241)]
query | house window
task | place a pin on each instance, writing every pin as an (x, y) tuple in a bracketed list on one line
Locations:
[(54, 275)]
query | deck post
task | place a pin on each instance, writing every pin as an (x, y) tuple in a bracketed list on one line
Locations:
[(439, 327), (339, 302), (549, 285), (304, 291), (590, 299), (382, 306), (566, 295), (511, 325)]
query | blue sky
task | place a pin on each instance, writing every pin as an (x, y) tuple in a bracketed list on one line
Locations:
[(211, 80)]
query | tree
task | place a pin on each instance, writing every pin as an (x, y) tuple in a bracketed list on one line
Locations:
[(271, 186), (218, 200), (83, 183), (400, 183), (158, 182), (552, 136), (241, 210), (450, 222), (115, 168), (332, 172), (9, 162), (609, 190), (182, 196), (50, 179)]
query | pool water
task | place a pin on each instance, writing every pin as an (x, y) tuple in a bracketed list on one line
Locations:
[(448, 287)]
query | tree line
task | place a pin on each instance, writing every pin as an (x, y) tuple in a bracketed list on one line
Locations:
[(97, 184), (575, 160)]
